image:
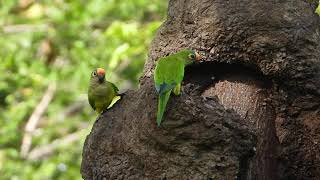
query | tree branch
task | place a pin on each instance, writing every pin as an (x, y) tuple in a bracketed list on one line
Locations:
[(34, 119), (22, 28), (43, 151)]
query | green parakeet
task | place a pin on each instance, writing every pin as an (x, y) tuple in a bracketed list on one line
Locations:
[(168, 76), (100, 92)]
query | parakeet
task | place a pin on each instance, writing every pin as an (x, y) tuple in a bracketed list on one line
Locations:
[(100, 91), (168, 76)]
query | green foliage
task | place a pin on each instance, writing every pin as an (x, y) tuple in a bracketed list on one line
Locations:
[(318, 9), (110, 34)]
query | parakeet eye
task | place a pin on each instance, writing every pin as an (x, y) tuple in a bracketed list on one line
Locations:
[(94, 73), (192, 56)]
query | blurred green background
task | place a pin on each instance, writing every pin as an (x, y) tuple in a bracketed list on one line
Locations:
[(48, 49)]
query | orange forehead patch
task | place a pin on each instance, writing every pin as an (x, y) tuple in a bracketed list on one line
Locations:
[(101, 71)]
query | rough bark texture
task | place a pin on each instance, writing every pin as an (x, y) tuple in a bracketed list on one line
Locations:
[(250, 111)]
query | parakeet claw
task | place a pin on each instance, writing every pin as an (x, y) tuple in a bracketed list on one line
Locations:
[(102, 112), (177, 90)]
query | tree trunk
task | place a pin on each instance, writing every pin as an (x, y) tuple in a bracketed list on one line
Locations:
[(250, 111)]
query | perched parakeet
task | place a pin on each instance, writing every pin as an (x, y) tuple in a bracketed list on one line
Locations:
[(168, 76), (100, 92)]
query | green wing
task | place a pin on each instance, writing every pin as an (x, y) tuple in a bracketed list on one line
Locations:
[(168, 73), (115, 88), (91, 101)]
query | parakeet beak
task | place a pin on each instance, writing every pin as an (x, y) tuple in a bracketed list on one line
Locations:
[(198, 56), (101, 78), (101, 74)]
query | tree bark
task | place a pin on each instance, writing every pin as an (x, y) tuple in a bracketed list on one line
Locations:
[(250, 111)]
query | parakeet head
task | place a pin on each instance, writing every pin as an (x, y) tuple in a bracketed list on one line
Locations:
[(98, 75), (189, 56)]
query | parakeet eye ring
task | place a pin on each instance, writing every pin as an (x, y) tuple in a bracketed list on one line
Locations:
[(94, 73), (192, 56)]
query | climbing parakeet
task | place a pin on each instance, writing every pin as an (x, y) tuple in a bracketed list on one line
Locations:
[(168, 76), (100, 92)]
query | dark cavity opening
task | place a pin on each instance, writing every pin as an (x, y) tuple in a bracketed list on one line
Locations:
[(245, 90), (206, 73)]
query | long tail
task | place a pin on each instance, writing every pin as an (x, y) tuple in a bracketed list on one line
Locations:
[(163, 99)]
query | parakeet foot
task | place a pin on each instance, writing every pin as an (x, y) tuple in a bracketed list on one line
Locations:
[(177, 89), (102, 112)]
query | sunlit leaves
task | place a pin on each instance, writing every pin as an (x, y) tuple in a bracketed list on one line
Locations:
[(318, 9), (99, 33)]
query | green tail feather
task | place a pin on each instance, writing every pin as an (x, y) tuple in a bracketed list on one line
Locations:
[(163, 99)]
